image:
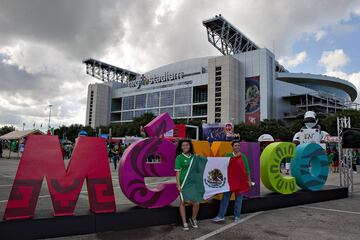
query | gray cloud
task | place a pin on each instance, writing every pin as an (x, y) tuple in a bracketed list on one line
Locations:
[(15, 80), (78, 28)]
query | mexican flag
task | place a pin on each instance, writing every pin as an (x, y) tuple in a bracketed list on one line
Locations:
[(213, 175)]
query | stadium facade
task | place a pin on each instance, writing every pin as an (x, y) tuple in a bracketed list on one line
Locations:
[(245, 84)]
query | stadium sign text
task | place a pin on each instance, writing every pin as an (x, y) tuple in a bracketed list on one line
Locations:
[(155, 79)]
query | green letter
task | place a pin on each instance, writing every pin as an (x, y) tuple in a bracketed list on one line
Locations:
[(270, 167)]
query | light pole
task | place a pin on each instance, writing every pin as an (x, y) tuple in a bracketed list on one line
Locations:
[(50, 114)]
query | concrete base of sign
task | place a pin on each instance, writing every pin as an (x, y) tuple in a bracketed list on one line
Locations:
[(130, 216)]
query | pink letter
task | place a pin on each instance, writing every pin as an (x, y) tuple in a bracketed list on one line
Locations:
[(133, 167)]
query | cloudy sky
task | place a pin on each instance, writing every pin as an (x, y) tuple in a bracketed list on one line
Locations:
[(43, 43)]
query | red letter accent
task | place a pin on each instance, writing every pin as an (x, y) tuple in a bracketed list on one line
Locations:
[(42, 158)]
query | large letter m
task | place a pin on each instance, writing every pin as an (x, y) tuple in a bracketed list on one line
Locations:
[(43, 158)]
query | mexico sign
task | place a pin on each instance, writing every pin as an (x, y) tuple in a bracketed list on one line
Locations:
[(42, 158)]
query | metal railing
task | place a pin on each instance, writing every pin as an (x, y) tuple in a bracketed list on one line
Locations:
[(345, 157)]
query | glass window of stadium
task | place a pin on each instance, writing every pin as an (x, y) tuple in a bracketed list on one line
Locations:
[(139, 113), (182, 111), (153, 99), (169, 110), (129, 115), (167, 98), (154, 111), (140, 101), (183, 96), (128, 103)]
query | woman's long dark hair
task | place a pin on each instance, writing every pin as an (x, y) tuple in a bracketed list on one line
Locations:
[(179, 150), (235, 141)]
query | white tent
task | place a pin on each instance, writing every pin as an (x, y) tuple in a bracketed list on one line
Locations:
[(15, 135), (266, 138)]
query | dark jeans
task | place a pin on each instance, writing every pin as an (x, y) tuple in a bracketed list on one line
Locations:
[(225, 203), (115, 160), (354, 167)]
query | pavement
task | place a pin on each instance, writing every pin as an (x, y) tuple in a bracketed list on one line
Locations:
[(339, 219)]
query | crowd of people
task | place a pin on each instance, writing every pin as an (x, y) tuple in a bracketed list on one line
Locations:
[(67, 149), (333, 159), (115, 152)]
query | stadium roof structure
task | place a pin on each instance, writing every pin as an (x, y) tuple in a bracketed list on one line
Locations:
[(107, 73), (226, 38), (221, 34), (319, 80)]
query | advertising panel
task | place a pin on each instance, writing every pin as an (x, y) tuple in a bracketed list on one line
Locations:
[(218, 131), (252, 100)]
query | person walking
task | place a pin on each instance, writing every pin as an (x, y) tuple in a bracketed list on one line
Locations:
[(110, 154), (115, 155), (121, 152), (354, 160), (330, 156), (336, 161), (238, 196), (185, 156)]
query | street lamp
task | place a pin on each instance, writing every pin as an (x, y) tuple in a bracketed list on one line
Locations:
[(50, 114)]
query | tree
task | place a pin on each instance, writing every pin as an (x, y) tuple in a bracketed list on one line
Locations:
[(277, 129), (273, 127), (71, 132), (296, 125), (131, 128), (6, 129), (329, 123), (248, 133)]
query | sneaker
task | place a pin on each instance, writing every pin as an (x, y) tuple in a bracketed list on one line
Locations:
[(218, 219), (236, 219), (193, 223), (185, 227)]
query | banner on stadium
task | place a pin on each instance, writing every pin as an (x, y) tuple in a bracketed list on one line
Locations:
[(252, 100)]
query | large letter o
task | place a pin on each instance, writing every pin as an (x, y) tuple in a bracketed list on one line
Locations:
[(310, 166), (270, 167)]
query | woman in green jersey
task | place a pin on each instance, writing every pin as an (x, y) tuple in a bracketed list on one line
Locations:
[(185, 155)]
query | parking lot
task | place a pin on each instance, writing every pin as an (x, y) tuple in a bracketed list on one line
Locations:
[(339, 219)]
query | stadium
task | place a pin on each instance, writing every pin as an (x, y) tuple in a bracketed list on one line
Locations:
[(243, 84)]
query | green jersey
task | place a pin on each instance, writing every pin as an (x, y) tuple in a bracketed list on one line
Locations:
[(247, 168), (330, 158), (182, 164)]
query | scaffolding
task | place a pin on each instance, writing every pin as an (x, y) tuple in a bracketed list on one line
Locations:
[(108, 73), (345, 157), (226, 38)]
